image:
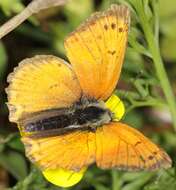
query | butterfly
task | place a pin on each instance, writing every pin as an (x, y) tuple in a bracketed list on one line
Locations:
[(60, 107)]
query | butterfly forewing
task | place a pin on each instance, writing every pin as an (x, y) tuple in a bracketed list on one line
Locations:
[(96, 51), (41, 83)]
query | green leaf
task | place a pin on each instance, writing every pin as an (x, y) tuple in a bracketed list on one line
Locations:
[(15, 143), (15, 163), (3, 60), (167, 8), (8, 7), (163, 181), (133, 41), (78, 10), (138, 183)]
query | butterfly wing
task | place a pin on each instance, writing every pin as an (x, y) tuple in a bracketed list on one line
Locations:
[(122, 147), (71, 151), (41, 83), (115, 145), (96, 51)]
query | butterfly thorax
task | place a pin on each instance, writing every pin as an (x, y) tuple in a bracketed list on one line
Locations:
[(87, 114)]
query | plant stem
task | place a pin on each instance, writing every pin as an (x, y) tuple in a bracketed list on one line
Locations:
[(14, 22), (34, 7), (115, 180), (158, 62), (150, 102)]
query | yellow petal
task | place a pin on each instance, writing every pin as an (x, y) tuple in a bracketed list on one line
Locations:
[(63, 178), (116, 106)]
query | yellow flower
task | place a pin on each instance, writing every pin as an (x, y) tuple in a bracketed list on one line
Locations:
[(63, 178)]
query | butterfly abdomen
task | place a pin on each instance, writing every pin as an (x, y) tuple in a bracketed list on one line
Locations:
[(54, 122), (65, 120)]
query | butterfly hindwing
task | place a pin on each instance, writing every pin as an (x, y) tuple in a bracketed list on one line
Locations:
[(40, 83), (114, 145), (122, 147), (96, 51), (71, 151)]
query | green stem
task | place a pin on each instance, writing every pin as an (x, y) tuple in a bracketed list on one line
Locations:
[(150, 102), (116, 185), (158, 62)]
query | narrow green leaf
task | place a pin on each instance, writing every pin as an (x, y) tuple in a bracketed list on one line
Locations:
[(15, 163), (3, 60)]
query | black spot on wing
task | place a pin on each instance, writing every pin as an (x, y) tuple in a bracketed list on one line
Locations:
[(112, 52), (106, 27), (137, 143), (151, 157), (120, 29), (113, 26)]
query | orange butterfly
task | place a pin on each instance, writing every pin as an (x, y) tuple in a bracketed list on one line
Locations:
[(60, 108)]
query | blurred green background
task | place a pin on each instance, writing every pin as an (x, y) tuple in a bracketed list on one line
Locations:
[(138, 87)]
